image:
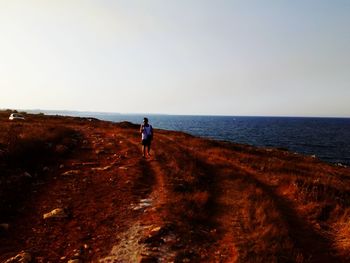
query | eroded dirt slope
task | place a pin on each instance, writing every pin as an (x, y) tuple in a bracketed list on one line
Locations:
[(193, 200)]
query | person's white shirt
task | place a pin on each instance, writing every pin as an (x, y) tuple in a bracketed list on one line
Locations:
[(147, 130)]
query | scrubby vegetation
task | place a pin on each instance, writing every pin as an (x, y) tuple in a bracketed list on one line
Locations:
[(28, 150)]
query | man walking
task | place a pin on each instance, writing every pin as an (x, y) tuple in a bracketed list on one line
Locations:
[(146, 131)]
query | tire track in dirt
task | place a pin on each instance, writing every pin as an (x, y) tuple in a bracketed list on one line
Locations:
[(301, 242), (176, 168), (154, 235), (192, 209), (245, 205), (127, 248), (163, 245), (311, 245), (135, 244), (251, 219), (223, 209)]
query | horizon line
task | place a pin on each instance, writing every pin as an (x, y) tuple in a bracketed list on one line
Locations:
[(171, 114)]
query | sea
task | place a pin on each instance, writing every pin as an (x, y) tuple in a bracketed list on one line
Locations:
[(326, 138)]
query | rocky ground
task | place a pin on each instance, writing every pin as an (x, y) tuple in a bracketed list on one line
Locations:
[(79, 190)]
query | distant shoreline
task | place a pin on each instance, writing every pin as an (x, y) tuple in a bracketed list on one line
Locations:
[(74, 113)]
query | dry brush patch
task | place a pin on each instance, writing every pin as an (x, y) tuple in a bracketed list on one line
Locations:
[(26, 150), (299, 192), (261, 232), (191, 190), (341, 234)]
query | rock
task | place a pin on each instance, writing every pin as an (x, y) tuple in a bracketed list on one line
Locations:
[(71, 172), (77, 253), (74, 261), (341, 165), (22, 257), (143, 204), (61, 166), (146, 201), (46, 169), (155, 230), (56, 213), (102, 168), (154, 236)]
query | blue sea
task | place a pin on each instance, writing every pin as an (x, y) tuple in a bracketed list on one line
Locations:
[(327, 138)]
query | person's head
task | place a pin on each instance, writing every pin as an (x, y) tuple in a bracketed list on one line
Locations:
[(145, 120)]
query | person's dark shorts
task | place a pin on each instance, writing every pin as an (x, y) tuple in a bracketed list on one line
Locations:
[(146, 142)]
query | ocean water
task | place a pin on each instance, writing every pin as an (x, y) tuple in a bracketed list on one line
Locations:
[(327, 138)]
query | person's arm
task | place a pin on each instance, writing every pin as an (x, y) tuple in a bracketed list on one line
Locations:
[(141, 128), (151, 131)]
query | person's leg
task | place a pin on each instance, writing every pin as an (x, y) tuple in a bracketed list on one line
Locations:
[(149, 149), (143, 149)]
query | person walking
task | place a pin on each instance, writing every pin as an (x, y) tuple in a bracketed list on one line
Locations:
[(146, 131)]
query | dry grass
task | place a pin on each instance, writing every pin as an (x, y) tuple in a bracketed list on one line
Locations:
[(26, 147), (293, 207), (342, 234)]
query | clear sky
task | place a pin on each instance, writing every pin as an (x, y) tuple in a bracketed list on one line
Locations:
[(177, 56)]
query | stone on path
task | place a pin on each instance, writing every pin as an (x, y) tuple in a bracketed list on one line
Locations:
[(143, 204), (71, 172), (102, 168), (22, 257), (56, 213)]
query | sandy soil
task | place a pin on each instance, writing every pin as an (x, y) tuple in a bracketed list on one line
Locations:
[(193, 200)]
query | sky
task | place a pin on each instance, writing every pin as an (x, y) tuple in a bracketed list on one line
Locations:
[(260, 58)]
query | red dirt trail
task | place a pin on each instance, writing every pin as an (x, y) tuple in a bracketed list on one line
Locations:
[(193, 200)]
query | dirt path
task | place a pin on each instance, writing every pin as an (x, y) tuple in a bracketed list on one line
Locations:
[(137, 242)]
